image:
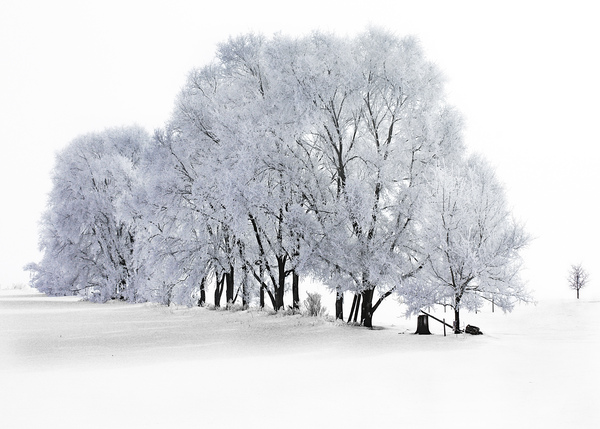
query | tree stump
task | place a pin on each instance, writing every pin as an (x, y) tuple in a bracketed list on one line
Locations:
[(473, 330), (423, 325)]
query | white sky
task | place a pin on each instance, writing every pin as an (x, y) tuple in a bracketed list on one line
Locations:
[(525, 75)]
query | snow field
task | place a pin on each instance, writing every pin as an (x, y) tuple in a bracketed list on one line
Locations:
[(67, 363)]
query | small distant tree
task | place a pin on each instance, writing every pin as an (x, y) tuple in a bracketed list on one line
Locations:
[(578, 278)]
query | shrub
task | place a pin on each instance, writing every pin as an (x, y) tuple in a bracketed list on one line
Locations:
[(313, 305)]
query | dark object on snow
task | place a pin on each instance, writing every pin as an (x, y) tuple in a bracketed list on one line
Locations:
[(441, 321), (473, 330), (423, 325)]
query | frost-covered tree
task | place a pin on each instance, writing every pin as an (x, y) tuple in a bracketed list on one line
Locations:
[(173, 247), (87, 237), (578, 278), (283, 157), (322, 72), (308, 154), (261, 194), (378, 121), (472, 242), (205, 171), (247, 124)]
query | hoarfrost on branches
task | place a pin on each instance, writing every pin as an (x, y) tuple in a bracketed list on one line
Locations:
[(86, 237), (471, 240), (317, 156)]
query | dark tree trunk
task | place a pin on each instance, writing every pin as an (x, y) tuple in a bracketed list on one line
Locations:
[(219, 288), (295, 291), (245, 296), (279, 305), (280, 290), (279, 298), (245, 269), (367, 308), (456, 321), (339, 305), (577, 293), (456, 324), (261, 289), (354, 307), (229, 280), (272, 297), (358, 299), (202, 300)]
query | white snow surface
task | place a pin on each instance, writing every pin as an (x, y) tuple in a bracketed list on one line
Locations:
[(66, 363)]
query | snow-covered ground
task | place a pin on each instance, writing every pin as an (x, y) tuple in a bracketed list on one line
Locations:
[(71, 364)]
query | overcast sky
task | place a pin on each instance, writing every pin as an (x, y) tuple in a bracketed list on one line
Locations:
[(524, 74)]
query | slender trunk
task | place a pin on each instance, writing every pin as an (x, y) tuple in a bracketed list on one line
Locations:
[(339, 304), (295, 291), (245, 302), (219, 288), (244, 285), (354, 307), (272, 297), (262, 288), (229, 280), (355, 319), (280, 290), (265, 267), (456, 320), (577, 293), (202, 300), (457, 298)]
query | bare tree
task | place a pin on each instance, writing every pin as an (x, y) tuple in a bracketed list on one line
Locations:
[(578, 278)]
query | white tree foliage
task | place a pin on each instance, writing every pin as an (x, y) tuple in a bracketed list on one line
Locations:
[(284, 157), (472, 242), (378, 119), (86, 237)]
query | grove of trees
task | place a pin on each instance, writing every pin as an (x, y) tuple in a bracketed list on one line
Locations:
[(321, 156)]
